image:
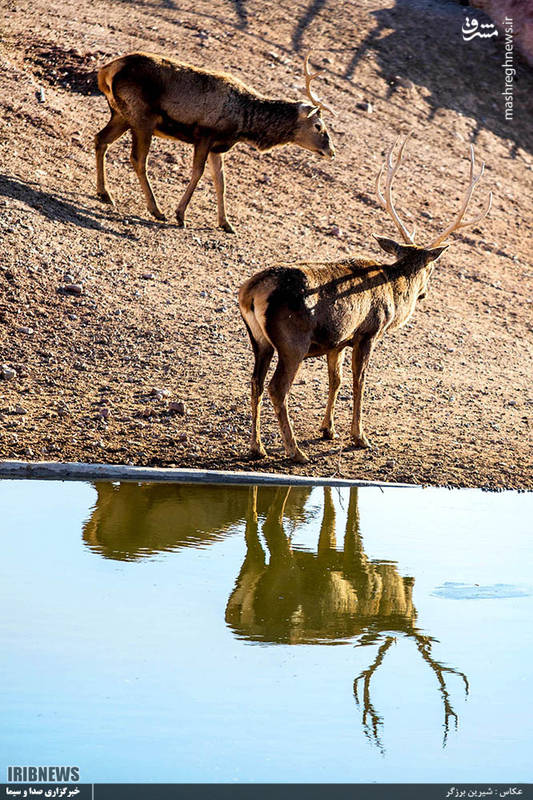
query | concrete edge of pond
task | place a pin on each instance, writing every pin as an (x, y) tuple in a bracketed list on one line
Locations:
[(56, 470)]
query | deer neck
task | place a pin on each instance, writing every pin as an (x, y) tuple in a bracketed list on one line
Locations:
[(268, 123), (408, 282)]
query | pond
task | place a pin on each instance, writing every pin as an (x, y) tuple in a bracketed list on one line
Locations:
[(206, 633)]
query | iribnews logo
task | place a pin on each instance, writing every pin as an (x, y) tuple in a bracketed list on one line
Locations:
[(43, 774)]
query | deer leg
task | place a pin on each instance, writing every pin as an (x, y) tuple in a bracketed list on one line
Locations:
[(114, 129), (201, 150), (263, 356), (361, 352), (335, 362), (140, 145), (216, 164), (278, 389)]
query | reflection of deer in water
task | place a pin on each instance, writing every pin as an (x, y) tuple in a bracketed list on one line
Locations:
[(302, 598), (130, 521)]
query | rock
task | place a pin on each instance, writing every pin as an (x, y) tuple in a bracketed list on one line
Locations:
[(72, 288), (7, 373), (177, 407), (160, 393), (335, 231), (366, 106), (28, 331), (20, 409), (104, 412), (405, 82), (148, 276)]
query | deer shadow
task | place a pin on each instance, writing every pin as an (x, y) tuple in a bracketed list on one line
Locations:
[(301, 597), (57, 209), (421, 41)]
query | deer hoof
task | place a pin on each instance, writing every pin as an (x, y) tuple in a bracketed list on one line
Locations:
[(299, 457), (158, 215), (258, 452), (360, 441), (329, 433), (180, 219), (105, 197), (227, 226)]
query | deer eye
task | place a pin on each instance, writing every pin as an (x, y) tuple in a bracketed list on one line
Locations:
[(318, 126)]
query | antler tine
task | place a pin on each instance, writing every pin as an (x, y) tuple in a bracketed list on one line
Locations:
[(457, 223), (310, 76), (386, 201)]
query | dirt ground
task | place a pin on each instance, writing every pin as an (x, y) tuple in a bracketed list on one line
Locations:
[(90, 377)]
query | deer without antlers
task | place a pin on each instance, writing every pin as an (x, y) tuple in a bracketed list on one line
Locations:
[(155, 95), (313, 309)]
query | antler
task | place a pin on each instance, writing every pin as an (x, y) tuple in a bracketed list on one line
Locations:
[(310, 76), (386, 201), (424, 644), (371, 729), (456, 224)]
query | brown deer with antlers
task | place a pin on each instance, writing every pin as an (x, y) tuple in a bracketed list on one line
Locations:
[(314, 309), (155, 95)]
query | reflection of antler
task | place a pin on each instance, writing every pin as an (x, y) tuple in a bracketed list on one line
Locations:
[(424, 644), (371, 730)]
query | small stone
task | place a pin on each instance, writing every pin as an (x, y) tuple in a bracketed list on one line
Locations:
[(28, 331), (177, 407), (405, 82), (104, 412), (148, 276), (160, 393), (20, 409), (366, 106), (72, 288), (335, 231), (7, 373), (73, 317)]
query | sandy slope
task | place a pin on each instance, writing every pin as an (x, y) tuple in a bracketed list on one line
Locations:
[(449, 396)]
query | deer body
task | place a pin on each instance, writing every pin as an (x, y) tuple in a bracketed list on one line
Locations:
[(158, 96), (308, 310), (311, 310)]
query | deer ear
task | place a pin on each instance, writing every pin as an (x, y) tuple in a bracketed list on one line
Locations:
[(438, 251), (306, 110), (389, 245)]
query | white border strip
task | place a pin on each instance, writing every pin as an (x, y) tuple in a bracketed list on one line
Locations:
[(54, 470)]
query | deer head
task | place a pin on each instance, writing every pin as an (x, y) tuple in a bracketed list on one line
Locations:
[(312, 132), (386, 201)]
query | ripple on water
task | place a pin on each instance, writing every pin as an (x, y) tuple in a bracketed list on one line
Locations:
[(474, 591)]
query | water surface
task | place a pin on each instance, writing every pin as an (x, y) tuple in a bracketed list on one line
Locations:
[(205, 633)]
